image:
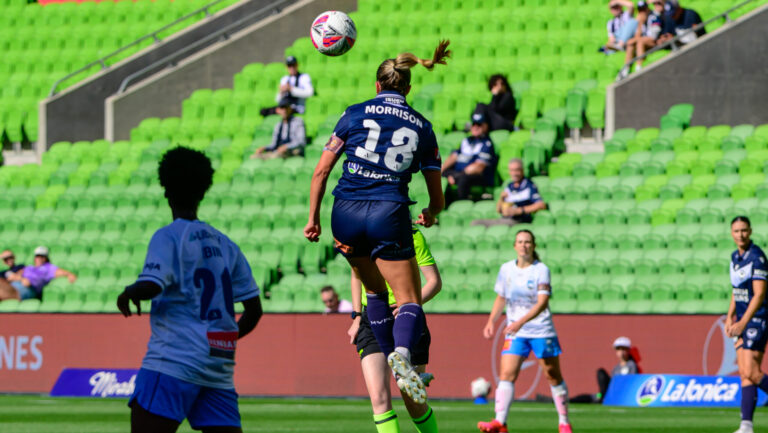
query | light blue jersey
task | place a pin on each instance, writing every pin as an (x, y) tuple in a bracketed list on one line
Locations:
[(194, 331), (521, 288)]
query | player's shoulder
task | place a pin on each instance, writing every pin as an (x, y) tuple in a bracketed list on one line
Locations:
[(540, 266), (758, 253), (508, 266)]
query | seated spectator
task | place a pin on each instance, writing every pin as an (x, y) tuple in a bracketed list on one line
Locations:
[(473, 163), (502, 110), (628, 359), (648, 31), (31, 280), (621, 27), (295, 84), (332, 302), (519, 200), (9, 259), (289, 136), (677, 21)]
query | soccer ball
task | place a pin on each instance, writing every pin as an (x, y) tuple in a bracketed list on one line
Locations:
[(333, 33), (480, 387)]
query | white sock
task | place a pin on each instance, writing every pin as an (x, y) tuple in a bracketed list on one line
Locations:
[(746, 425), (404, 351), (638, 68), (560, 396), (505, 393)]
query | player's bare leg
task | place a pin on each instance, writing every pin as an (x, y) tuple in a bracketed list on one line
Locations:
[(505, 393), (143, 421), (551, 368), (377, 377)]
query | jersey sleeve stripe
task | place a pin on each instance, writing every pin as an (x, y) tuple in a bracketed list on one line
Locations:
[(431, 167), (154, 279)]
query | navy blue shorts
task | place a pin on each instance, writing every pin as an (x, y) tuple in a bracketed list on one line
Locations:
[(375, 229), (754, 336), (177, 399)]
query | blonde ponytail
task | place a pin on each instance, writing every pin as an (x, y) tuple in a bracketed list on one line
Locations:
[(395, 74)]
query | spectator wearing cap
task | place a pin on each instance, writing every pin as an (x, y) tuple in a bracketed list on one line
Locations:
[(289, 136), (296, 84), (9, 260), (648, 32), (621, 27), (519, 200), (502, 110), (473, 163), (29, 283), (677, 21), (627, 364)]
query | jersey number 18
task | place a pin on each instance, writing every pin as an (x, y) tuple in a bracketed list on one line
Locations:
[(400, 147)]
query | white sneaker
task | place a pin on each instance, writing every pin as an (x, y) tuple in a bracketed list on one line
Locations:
[(744, 430), (408, 379)]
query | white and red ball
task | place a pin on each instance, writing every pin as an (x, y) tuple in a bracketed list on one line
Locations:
[(333, 33)]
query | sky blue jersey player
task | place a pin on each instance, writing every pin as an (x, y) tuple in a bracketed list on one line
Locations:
[(194, 274), (385, 141), (747, 316)]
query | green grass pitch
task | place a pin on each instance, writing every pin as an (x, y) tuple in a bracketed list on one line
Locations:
[(37, 414)]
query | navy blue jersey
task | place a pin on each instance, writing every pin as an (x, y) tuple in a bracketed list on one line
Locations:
[(385, 141), (473, 149), (745, 269), (524, 194)]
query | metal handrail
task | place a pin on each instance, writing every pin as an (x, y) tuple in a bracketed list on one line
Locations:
[(153, 35), (223, 33), (673, 42)]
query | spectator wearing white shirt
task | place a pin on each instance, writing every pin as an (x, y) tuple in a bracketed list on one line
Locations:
[(296, 84), (621, 27)]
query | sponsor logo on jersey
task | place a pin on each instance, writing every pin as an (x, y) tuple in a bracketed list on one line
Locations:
[(650, 390), (740, 295), (152, 266), (222, 343), (358, 170)]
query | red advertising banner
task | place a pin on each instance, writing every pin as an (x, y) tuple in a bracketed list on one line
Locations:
[(310, 354)]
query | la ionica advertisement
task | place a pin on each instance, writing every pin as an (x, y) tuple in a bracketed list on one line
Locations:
[(660, 390)]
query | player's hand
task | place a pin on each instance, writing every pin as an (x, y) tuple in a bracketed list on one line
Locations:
[(737, 328), (425, 218), (123, 304), (513, 327), (488, 330), (312, 231), (353, 328)]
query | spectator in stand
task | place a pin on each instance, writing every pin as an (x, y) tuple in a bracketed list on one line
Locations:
[(289, 136), (29, 283), (648, 31), (677, 21), (519, 200), (473, 163), (332, 302), (502, 110), (9, 259), (621, 27), (295, 84)]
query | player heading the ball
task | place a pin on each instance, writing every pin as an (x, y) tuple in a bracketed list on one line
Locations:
[(385, 141), (194, 274)]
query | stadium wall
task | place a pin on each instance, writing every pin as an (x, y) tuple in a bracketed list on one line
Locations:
[(77, 113), (722, 75), (310, 354), (162, 94)]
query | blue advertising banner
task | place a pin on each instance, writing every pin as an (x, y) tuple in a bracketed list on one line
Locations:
[(90, 382), (665, 390)]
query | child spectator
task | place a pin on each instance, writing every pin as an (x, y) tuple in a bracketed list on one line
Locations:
[(621, 27), (289, 136), (648, 32), (502, 110), (473, 163)]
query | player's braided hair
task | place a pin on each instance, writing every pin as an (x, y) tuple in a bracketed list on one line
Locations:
[(395, 74), (533, 239), (186, 175)]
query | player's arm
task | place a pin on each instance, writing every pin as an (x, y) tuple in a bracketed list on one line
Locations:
[(317, 190), (730, 316), (138, 291), (758, 296), (356, 286), (65, 273), (433, 283), (498, 307), (251, 315), (542, 301)]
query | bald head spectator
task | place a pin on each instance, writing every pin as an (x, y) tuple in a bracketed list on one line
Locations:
[(332, 302), (519, 200), (30, 281)]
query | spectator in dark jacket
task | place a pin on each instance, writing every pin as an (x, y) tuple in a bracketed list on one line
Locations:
[(473, 163), (289, 136), (9, 260), (502, 110), (677, 21)]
